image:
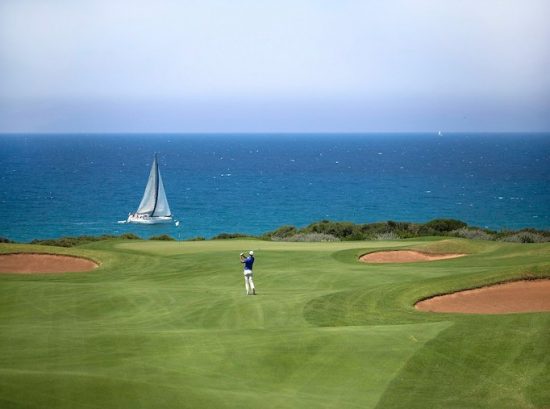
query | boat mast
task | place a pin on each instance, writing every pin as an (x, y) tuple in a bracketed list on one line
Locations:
[(156, 185)]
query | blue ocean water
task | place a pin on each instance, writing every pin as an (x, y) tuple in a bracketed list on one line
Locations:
[(61, 185)]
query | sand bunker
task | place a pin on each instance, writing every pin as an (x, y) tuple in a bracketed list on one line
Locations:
[(32, 263), (517, 296), (405, 256)]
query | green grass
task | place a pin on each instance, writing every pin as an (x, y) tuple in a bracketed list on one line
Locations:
[(167, 325)]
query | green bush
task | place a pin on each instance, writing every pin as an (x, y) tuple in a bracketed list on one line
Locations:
[(390, 230), (130, 236), (226, 236), (341, 230), (282, 232), (372, 230), (162, 237), (5, 240)]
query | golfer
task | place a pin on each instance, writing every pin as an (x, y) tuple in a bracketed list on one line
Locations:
[(248, 281)]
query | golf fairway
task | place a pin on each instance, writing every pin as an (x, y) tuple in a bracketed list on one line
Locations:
[(168, 325)]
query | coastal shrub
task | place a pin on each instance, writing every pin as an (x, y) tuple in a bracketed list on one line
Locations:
[(162, 237), (439, 226), (387, 236), (129, 236), (341, 230), (405, 230), (5, 240), (392, 230), (399, 226), (226, 236), (472, 234), (412, 230), (282, 232), (401, 230), (369, 231), (326, 230), (310, 237), (526, 237)]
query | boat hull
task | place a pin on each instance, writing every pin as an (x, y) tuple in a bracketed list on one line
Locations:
[(149, 220)]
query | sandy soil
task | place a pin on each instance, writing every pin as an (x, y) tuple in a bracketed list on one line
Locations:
[(404, 256), (31, 263), (518, 296)]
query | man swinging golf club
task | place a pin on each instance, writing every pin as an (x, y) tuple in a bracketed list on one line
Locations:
[(248, 281)]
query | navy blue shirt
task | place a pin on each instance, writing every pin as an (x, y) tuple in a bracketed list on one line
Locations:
[(248, 262)]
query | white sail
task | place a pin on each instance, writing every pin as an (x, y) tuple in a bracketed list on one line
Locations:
[(162, 208), (153, 208), (149, 200)]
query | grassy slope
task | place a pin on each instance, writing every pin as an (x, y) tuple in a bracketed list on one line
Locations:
[(167, 325)]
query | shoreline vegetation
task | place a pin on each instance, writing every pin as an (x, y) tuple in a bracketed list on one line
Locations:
[(328, 231)]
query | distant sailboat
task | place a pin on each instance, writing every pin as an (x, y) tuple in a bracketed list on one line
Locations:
[(154, 207), (439, 133)]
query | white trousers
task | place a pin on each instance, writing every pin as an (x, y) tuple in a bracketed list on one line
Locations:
[(249, 282)]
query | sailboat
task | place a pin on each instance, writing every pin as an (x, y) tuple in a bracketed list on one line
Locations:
[(154, 207)]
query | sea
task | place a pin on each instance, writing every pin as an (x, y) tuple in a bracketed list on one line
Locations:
[(86, 184)]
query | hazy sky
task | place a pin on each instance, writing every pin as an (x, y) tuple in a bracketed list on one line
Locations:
[(274, 66)]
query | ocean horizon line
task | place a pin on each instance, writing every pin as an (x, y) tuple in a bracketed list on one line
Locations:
[(436, 133)]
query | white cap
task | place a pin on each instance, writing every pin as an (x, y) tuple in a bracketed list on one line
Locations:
[(251, 252)]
